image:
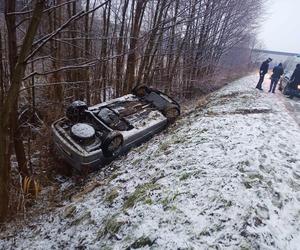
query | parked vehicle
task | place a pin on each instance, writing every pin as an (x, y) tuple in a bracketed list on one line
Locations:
[(89, 137), (289, 67)]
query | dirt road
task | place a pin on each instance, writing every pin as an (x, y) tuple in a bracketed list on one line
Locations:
[(292, 105)]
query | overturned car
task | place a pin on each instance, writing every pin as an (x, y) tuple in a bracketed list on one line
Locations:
[(285, 81), (89, 137)]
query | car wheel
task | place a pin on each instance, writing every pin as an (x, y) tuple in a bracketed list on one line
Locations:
[(76, 111), (171, 112), (141, 91), (112, 144)]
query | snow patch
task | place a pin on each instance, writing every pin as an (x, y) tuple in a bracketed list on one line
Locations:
[(220, 178)]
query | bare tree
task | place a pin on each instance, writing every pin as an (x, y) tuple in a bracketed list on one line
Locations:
[(96, 50), (8, 111)]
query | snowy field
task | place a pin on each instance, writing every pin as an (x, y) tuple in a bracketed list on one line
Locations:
[(223, 177)]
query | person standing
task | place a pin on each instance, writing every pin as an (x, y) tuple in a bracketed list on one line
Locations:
[(277, 73), (294, 81), (262, 72)]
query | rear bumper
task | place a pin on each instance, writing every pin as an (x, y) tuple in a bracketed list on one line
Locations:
[(67, 150), (70, 155)]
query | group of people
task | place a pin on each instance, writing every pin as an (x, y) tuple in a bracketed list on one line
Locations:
[(277, 73)]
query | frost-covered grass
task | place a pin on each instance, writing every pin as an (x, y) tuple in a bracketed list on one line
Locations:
[(226, 177)]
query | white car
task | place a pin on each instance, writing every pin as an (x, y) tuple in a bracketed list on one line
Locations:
[(89, 137), (289, 67)]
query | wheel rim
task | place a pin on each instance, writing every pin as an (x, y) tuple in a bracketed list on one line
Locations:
[(115, 144)]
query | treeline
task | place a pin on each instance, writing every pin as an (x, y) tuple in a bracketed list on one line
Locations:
[(53, 52)]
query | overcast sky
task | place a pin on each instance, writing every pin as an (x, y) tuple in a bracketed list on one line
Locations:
[(281, 28)]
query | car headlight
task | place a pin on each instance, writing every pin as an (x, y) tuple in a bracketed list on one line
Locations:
[(299, 87)]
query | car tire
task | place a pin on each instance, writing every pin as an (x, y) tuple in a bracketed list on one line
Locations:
[(141, 90), (171, 112), (83, 133), (76, 111), (112, 144)]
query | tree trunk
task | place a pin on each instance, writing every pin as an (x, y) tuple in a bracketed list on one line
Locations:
[(134, 35), (9, 107), (152, 43), (87, 53), (4, 171), (2, 86), (104, 52), (120, 58), (12, 52)]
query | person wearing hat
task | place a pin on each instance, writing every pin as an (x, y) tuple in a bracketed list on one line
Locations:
[(277, 73), (262, 72)]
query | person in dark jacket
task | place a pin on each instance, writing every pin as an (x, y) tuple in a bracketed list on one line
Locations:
[(262, 71), (277, 73), (294, 81)]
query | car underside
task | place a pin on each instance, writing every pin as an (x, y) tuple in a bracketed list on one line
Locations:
[(89, 137)]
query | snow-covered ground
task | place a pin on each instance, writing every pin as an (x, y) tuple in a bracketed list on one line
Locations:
[(293, 107), (226, 176)]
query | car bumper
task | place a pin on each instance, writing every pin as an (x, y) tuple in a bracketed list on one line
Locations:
[(83, 162), (71, 153)]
